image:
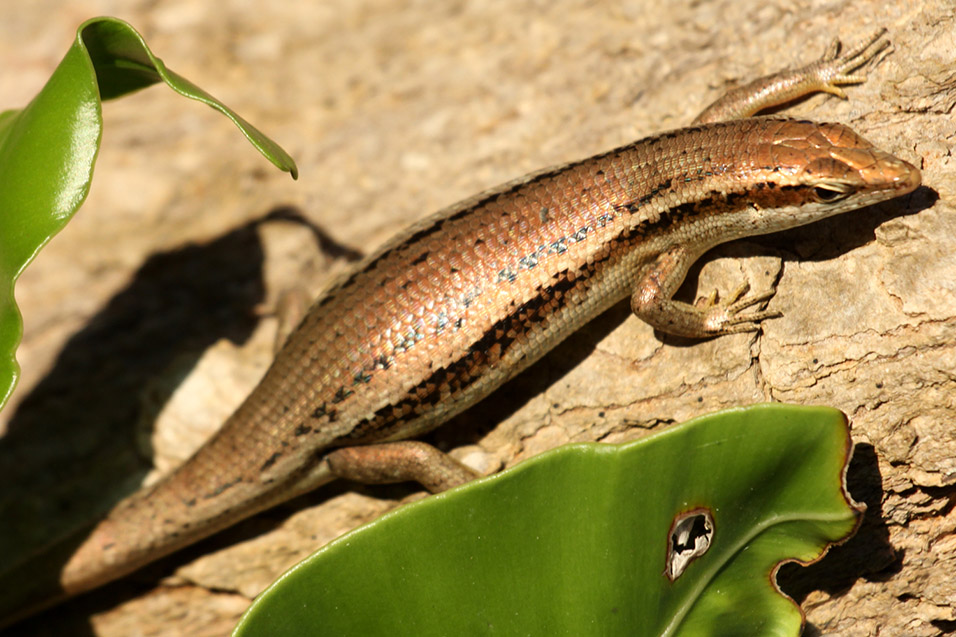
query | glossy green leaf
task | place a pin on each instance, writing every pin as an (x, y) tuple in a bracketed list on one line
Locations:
[(48, 149), (574, 541)]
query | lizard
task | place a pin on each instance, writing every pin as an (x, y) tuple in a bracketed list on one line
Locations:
[(459, 303)]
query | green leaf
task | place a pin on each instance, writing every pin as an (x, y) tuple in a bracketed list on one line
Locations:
[(48, 149), (574, 541)]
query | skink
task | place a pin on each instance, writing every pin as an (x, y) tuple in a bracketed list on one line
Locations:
[(453, 307)]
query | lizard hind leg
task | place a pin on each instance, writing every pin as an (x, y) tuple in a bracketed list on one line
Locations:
[(402, 461)]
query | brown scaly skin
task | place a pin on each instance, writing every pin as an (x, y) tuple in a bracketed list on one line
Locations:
[(463, 301)]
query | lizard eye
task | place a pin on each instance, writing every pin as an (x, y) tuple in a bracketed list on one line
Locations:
[(830, 194)]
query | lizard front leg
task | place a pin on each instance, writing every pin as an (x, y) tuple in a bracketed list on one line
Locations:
[(825, 75), (652, 302)]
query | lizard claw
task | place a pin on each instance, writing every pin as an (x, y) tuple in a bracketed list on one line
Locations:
[(726, 317), (834, 69)]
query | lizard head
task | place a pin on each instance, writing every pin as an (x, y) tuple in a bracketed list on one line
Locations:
[(811, 171), (839, 170), (849, 165)]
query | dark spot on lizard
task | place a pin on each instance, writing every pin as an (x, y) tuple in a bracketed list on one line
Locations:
[(271, 461), (341, 395), (222, 488), (361, 378), (530, 261), (507, 274), (441, 321), (558, 247)]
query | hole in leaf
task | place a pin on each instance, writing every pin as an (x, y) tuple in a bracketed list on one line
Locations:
[(689, 537)]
